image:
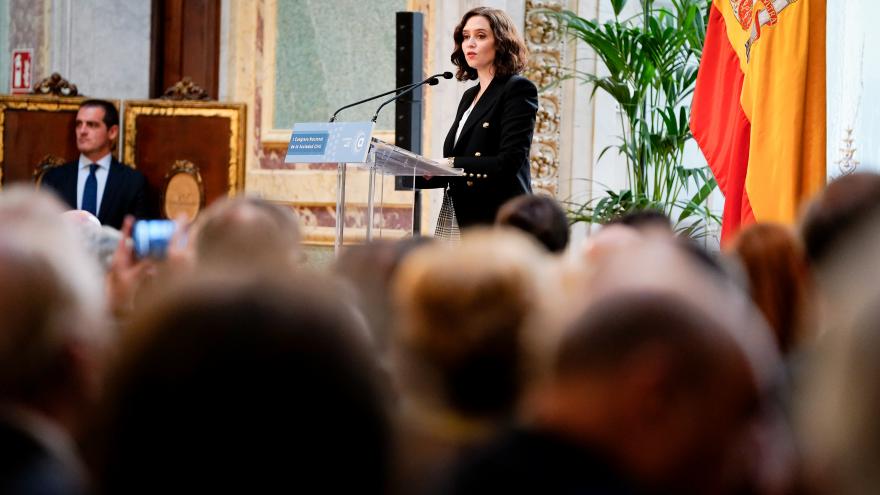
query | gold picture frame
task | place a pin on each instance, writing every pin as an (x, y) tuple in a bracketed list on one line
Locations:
[(235, 113)]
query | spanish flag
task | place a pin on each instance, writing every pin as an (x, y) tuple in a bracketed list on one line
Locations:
[(758, 111)]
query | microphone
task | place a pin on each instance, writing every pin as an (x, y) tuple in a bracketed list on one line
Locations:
[(402, 89), (431, 81)]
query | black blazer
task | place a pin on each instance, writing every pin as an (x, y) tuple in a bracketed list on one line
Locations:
[(124, 193), (493, 149)]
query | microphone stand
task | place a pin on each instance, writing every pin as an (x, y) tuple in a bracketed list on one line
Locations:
[(401, 90), (431, 81)]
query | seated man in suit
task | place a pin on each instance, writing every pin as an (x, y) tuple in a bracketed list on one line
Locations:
[(97, 182)]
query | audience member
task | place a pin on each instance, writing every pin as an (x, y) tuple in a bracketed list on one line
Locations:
[(465, 312), (243, 233), (369, 270), (129, 278), (779, 279), (52, 345), (100, 241), (607, 241), (654, 389), (838, 210), (840, 231), (649, 394), (646, 221), (839, 407), (539, 216), (248, 384), (97, 182)]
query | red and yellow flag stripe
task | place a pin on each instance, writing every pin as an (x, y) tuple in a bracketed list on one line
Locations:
[(758, 112)]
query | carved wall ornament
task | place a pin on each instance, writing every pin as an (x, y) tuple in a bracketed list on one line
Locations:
[(847, 162), (186, 89), (55, 85), (546, 44), (47, 162)]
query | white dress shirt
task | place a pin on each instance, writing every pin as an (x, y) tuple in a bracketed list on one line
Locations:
[(464, 117), (100, 174)]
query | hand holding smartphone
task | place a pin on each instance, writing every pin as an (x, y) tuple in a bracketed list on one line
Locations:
[(151, 238)]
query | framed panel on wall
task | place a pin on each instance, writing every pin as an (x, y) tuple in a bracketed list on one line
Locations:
[(186, 149)]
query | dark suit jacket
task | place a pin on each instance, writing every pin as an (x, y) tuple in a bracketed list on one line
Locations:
[(124, 193), (493, 149)]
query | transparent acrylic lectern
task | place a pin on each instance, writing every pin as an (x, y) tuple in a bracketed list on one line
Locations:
[(373, 203)]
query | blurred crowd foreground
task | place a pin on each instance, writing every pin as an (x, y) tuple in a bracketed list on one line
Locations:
[(506, 362)]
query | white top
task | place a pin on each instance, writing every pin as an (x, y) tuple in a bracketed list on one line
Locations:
[(461, 122), (100, 174)]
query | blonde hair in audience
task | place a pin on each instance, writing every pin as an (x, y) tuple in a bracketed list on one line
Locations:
[(464, 305)]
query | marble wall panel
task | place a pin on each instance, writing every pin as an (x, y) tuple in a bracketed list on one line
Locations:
[(106, 46), (332, 53), (4, 46), (103, 46)]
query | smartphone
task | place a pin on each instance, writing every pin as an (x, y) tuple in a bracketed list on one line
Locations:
[(152, 237)]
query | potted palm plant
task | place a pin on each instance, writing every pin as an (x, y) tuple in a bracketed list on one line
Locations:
[(652, 60)]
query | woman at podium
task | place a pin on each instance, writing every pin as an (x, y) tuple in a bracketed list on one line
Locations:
[(492, 132)]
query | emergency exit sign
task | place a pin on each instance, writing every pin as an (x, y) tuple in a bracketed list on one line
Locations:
[(22, 69)]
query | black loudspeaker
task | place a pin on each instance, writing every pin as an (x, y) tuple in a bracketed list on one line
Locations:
[(408, 109)]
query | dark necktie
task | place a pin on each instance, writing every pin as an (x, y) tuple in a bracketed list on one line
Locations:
[(90, 192)]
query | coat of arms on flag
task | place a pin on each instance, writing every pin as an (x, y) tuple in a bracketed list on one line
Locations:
[(753, 14)]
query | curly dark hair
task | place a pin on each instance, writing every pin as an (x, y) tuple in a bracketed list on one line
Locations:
[(511, 54)]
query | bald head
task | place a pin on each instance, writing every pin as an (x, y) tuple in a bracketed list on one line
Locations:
[(246, 231)]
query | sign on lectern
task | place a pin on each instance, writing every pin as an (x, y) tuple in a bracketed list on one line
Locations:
[(346, 143), (329, 142)]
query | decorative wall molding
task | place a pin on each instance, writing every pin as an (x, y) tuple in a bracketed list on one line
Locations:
[(55, 85), (847, 163), (547, 47), (852, 83), (186, 89)]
